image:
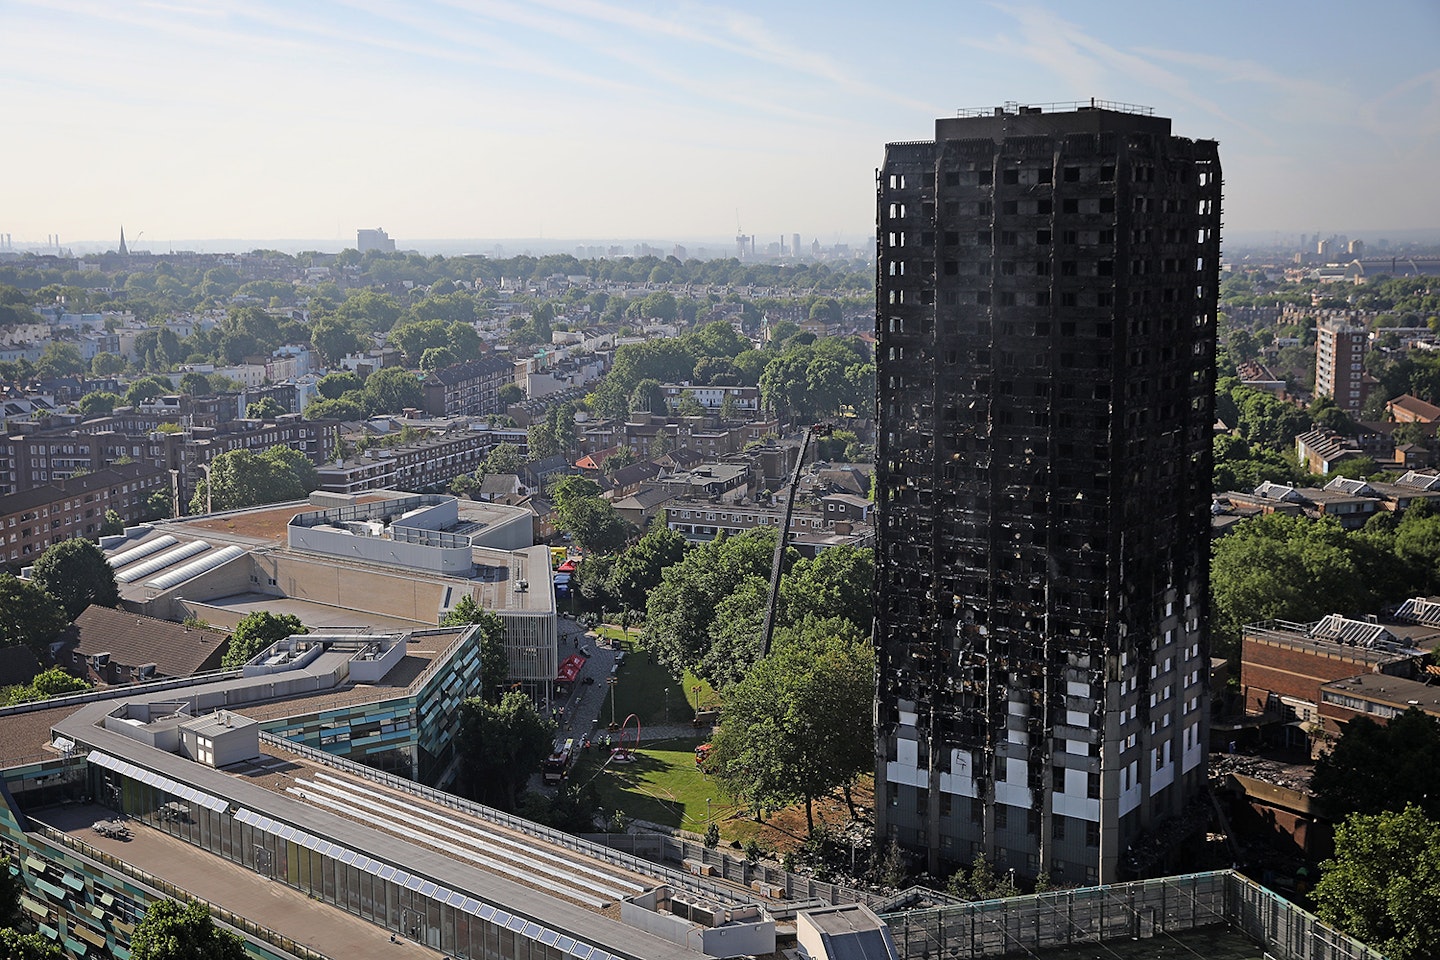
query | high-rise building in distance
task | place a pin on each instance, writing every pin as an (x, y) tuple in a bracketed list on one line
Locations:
[(377, 239), (1046, 299), (1340, 347)]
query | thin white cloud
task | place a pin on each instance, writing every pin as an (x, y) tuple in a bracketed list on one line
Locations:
[(1091, 67)]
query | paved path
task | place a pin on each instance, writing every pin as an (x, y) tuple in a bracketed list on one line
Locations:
[(582, 709)]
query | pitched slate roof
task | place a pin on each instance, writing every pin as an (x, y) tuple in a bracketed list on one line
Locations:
[(470, 369), (1417, 408), (133, 640)]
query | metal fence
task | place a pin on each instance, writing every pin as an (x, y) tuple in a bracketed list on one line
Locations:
[(1287, 931), (1142, 910), (637, 855), (158, 889)]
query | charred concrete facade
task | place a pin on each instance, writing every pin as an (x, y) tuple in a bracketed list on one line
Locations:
[(1045, 318)]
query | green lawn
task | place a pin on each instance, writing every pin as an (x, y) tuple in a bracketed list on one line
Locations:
[(663, 785), (645, 689)]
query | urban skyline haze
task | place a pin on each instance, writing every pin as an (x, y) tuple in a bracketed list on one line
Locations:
[(593, 119)]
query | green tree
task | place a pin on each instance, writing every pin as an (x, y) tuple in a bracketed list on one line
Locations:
[(112, 525), (1281, 567), (15, 945), (681, 612), (1374, 767), (836, 583), (29, 616), (59, 360), (501, 746), (266, 408), (638, 570), (336, 337), (255, 632), (194, 384), (980, 882), (417, 336), (349, 407), (106, 364), (76, 574), (594, 524), (174, 931), (147, 388), (54, 682), (371, 309), (1417, 546), (510, 393), (98, 403), (437, 358), (335, 385), (1405, 433), (799, 725), (688, 406), (391, 390), (12, 885), (159, 505), (1382, 885), (241, 478), (540, 440), (494, 661), (647, 397), (504, 458)]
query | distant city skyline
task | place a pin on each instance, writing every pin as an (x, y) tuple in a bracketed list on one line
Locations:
[(574, 119)]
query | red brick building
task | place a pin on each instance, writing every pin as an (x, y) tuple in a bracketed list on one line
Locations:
[(44, 515), (1283, 665)]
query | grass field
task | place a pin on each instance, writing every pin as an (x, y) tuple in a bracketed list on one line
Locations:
[(663, 785), (647, 690)]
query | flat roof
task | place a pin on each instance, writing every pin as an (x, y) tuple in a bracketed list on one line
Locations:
[(319, 616), (495, 886), (324, 928), (26, 735), (260, 525), (1395, 692)]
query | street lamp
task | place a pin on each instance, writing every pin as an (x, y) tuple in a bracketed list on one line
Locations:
[(707, 811), (612, 681), (209, 490)]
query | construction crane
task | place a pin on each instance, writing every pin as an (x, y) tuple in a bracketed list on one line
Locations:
[(782, 539)]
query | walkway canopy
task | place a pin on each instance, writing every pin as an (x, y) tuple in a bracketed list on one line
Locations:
[(570, 669)]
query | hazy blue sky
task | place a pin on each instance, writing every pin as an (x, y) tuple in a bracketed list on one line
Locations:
[(602, 118)]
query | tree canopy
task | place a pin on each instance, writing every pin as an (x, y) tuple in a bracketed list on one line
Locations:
[(54, 682), (681, 613), (76, 574), (15, 945), (798, 726), (501, 745), (174, 931), (241, 478), (391, 390), (1283, 567), (1383, 883), (494, 661), (1378, 767), (638, 570), (707, 612), (255, 632), (29, 616)]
